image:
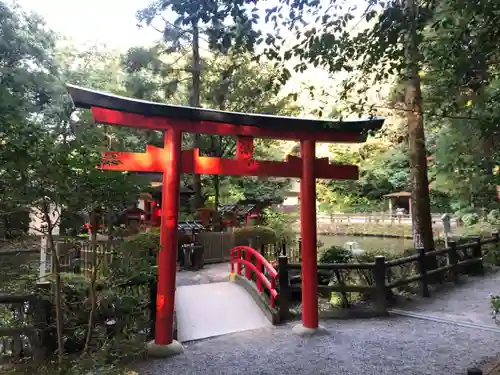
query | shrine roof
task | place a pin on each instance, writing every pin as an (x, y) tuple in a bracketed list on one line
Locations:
[(87, 98)]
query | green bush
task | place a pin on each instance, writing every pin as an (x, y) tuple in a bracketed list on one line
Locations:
[(495, 306), (470, 219), (255, 236), (134, 258), (482, 229), (282, 224), (369, 255), (335, 254), (182, 238), (493, 217), (143, 243), (366, 276)]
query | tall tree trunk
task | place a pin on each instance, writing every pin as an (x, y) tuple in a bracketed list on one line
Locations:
[(195, 102), (421, 212)]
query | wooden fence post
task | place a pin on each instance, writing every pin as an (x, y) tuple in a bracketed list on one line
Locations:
[(379, 271), (422, 270), (477, 253), (152, 290), (41, 308), (453, 260), (44, 319), (283, 248), (284, 288)]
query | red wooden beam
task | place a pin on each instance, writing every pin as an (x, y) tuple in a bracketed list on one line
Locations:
[(154, 160), (244, 148), (112, 117)]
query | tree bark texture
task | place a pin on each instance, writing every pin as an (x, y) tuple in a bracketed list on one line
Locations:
[(421, 212), (195, 102)]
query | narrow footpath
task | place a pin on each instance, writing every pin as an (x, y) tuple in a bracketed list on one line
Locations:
[(445, 335)]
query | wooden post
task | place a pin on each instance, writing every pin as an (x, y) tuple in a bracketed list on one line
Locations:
[(422, 270), (43, 320), (284, 288), (453, 260), (477, 253), (379, 271), (41, 315), (496, 236)]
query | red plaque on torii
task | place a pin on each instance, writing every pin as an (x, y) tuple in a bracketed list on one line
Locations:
[(172, 161)]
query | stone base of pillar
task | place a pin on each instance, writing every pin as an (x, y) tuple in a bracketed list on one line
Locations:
[(164, 351), (302, 331)]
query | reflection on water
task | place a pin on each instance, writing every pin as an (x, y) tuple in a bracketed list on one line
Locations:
[(367, 243)]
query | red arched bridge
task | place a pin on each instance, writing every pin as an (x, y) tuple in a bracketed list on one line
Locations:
[(250, 299)]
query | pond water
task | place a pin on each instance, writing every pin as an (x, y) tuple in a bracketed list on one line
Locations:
[(367, 243)]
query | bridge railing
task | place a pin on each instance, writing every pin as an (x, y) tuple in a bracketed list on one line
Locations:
[(249, 263)]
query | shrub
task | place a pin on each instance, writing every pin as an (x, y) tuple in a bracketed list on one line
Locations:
[(493, 217), (254, 236), (495, 306), (470, 219), (281, 223), (335, 254), (134, 258), (366, 276), (143, 243)]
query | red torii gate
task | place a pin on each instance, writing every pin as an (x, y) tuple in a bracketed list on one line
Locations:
[(172, 161)]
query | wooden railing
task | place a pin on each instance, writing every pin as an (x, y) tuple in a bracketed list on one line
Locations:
[(376, 218), (25, 322), (380, 277), (256, 268)]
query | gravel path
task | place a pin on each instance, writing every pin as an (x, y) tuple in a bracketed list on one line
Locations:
[(394, 345), (369, 347), (468, 302)]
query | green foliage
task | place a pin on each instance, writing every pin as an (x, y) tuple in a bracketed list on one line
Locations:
[(493, 217), (382, 171), (128, 307), (335, 254), (227, 24), (495, 306), (281, 223), (481, 229), (254, 236), (470, 219), (134, 259)]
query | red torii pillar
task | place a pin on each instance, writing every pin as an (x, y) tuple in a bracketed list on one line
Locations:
[(167, 256), (308, 233)]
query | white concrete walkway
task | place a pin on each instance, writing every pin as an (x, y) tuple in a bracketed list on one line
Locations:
[(208, 310)]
